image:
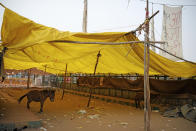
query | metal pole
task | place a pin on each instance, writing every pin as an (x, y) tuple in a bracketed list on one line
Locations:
[(147, 108), (98, 55)]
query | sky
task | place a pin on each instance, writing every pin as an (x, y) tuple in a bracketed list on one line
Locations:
[(106, 16)]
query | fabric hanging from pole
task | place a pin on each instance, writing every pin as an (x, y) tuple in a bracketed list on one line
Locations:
[(172, 32)]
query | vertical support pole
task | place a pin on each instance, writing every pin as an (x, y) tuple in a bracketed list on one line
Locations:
[(34, 77), (165, 77), (98, 55), (56, 81), (28, 79), (137, 74), (70, 84), (64, 81), (2, 70), (84, 27), (43, 82), (147, 108)]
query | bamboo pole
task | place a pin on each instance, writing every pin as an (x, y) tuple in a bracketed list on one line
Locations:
[(64, 82), (141, 26), (147, 108), (84, 27), (171, 54), (152, 31), (2, 5), (107, 43), (98, 55), (129, 42)]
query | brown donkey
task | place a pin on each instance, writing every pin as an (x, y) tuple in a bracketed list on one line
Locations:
[(38, 96)]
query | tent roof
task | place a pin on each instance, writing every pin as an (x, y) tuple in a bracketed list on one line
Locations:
[(28, 46)]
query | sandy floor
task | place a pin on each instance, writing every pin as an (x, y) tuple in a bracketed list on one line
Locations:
[(71, 114)]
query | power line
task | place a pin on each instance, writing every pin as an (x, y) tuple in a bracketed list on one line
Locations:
[(114, 28), (166, 4)]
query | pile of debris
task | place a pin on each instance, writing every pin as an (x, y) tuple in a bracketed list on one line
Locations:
[(187, 111)]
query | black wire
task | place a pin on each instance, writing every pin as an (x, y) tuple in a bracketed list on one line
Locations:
[(165, 3)]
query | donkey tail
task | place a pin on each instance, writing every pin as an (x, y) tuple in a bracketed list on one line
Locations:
[(20, 99)]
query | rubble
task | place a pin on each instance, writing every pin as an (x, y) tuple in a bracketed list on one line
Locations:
[(42, 128), (82, 112), (96, 116)]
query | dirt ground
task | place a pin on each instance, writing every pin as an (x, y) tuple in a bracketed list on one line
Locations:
[(71, 114)]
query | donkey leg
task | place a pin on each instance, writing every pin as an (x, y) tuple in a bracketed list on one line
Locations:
[(136, 103), (28, 104), (139, 104), (41, 106)]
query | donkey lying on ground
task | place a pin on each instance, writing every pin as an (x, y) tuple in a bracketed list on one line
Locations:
[(38, 96)]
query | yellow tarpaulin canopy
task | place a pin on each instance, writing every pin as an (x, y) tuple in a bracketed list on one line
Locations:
[(28, 46)]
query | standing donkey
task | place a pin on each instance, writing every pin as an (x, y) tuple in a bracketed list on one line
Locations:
[(38, 96)]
